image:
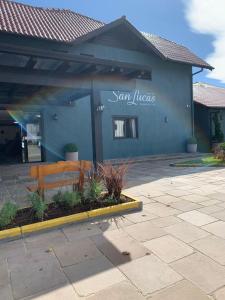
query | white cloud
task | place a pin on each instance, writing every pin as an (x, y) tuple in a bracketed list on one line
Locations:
[(208, 17)]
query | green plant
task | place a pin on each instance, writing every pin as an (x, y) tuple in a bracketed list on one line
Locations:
[(7, 213), (110, 200), (70, 148), (222, 146), (57, 198), (192, 140), (71, 199), (38, 205), (219, 136), (113, 178), (92, 190)]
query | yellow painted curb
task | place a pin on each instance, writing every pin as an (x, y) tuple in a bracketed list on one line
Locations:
[(8, 233), (72, 218), (54, 222)]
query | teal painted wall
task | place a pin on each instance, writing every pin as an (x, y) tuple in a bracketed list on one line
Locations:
[(73, 126), (171, 84)]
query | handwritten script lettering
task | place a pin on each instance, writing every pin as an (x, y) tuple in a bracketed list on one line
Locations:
[(133, 98)]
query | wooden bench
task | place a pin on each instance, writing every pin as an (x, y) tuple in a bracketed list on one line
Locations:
[(40, 172)]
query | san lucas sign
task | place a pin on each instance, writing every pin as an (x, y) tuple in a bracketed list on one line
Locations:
[(133, 98)]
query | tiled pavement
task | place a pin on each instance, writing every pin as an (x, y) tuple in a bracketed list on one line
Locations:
[(172, 250)]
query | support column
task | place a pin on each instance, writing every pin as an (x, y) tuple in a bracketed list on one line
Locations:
[(96, 121)]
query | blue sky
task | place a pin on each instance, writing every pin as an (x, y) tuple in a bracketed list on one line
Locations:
[(167, 18)]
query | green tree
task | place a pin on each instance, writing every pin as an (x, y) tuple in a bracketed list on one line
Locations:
[(219, 136)]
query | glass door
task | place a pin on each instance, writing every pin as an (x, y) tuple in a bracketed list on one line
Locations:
[(31, 137)]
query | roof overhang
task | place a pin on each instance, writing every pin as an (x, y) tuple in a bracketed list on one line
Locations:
[(123, 21)]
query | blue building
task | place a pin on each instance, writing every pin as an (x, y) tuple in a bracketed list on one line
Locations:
[(114, 91)]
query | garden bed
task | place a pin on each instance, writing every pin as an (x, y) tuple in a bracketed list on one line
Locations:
[(100, 195), (27, 216), (26, 221)]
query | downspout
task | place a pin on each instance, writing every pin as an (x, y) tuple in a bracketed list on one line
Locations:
[(192, 101)]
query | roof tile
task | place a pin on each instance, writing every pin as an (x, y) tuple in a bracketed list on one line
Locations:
[(209, 95)]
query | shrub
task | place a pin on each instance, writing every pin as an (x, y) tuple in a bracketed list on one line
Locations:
[(110, 200), (38, 205), (93, 188), (218, 137), (71, 199), (67, 200), (70, 148), (192, 140), (7, 213), (57, 198), (113, 178), (222, 146), (219, 152)]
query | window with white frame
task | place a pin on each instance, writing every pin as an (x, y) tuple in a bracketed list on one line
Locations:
[(125, 127)]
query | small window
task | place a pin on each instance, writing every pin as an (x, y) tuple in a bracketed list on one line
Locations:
[(124, 127)]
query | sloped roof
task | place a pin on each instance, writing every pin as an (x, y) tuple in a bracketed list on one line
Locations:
[(209, 95), (175, 52), (67, 26), (54, 24)]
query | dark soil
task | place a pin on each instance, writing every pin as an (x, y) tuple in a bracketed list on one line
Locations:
[(26, 216)]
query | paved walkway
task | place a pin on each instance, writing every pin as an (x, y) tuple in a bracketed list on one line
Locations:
[(172, 250)]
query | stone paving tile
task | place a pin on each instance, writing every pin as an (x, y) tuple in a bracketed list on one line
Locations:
[(168, 248), (217, 228), (145, 199), (93, 275), (197, 218), (210, 202), (186, 232), (156, 274), (155, 193), (5, 293), (140, 216), (195, 198), (213, 247), (161, 210), (11, 248), (4, 276), (166, 221), (166, 199), (120, 291), (112, 223), (119, 248), (80, 231), (65, 292), (218, 196), (44, 240), (210, 210), (144, 231), (220, 294), (183, 290), (34, 273), (179, 193), (202, 271), (75, 252), (184, 205), (219, 214)]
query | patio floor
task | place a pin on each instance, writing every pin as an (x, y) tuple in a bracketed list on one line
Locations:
[(172, 250)]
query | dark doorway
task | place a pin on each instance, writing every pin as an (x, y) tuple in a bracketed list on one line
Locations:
[(20, 137), (10, 139)]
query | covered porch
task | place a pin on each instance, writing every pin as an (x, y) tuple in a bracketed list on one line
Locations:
[(47, 96)]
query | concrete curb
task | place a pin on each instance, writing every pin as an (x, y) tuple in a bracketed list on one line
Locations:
[(18, 231)]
